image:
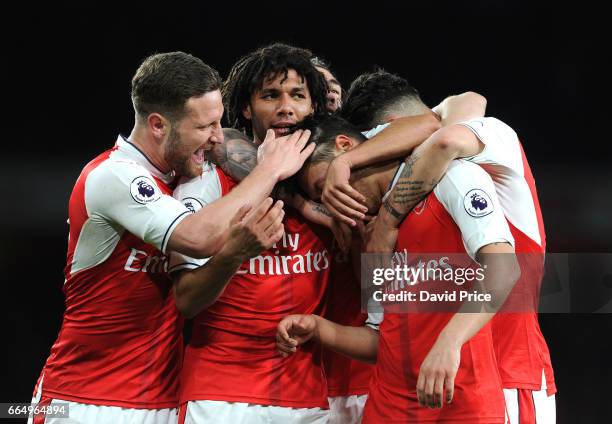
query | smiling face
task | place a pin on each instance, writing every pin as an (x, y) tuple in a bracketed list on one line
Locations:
[(194, 134), (280, 104)]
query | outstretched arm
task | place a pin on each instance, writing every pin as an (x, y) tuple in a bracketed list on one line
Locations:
[(359, 343), (203, 234)]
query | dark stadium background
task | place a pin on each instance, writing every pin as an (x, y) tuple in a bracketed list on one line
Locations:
[(66, 97)]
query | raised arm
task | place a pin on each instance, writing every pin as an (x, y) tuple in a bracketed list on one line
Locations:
[(203, 234), (462, 107), (398, 140), (422, 171)]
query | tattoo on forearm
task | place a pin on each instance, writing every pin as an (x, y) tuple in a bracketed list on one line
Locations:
[(407, 192), (316, 207), (394, 212), (237, 158)]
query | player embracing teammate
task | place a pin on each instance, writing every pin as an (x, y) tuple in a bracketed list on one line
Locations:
[(240, 263)]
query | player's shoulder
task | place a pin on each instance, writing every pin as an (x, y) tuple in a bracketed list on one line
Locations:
[(117, 174), (462, 173), (493, 132), (489, 122), (115, 165), (466, 186)]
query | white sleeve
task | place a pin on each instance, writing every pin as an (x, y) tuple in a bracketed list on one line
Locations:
[(374, 320), (125, 193), (195, 193), (502, 146), (468, 195), (371, 133)]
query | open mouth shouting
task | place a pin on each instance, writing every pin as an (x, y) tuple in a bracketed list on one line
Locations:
[(199, 155)]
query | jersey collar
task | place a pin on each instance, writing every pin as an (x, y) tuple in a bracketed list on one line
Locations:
[(134, 153)]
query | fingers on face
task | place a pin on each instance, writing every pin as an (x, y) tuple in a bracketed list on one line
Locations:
[(354, 194), (341, 202), (352, 207), (269, 136), (337, 215), (307, 152), (303, 139)]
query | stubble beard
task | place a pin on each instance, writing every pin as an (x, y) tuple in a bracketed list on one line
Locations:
[(179, 160)]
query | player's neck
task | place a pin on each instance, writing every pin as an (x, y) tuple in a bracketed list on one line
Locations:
[(152, 149), (373, 182)]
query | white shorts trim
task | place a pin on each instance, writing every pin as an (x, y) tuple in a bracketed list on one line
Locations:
[(346, 409), (83, 413), (214, 411), (544, 405)]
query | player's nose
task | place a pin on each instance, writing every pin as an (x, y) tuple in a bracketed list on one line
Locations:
[(285, 105)]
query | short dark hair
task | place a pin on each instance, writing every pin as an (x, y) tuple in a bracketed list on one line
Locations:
[(324, 130), (249, 73), (165, 81), (371, 95)]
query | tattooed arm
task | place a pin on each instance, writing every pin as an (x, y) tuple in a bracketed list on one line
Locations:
[(314, 212), (396, 141), (422, 171)]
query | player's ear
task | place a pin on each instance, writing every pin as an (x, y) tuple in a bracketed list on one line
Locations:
[(344, 143), (246, 111), (158, 125)]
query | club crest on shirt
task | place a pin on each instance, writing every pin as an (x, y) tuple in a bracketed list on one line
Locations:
[(144, 190), (420, 207), (477, 203), (192, 204)]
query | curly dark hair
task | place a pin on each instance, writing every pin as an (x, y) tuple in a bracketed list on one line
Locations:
[(371, 94), (249, 73), (165, 81)]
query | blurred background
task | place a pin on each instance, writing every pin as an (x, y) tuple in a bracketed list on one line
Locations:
[(67, 95)]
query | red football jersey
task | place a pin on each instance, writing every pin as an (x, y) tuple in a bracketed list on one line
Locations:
[(232, 352), (520, 347), (345, 376), (445, 222), (120, 343)]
